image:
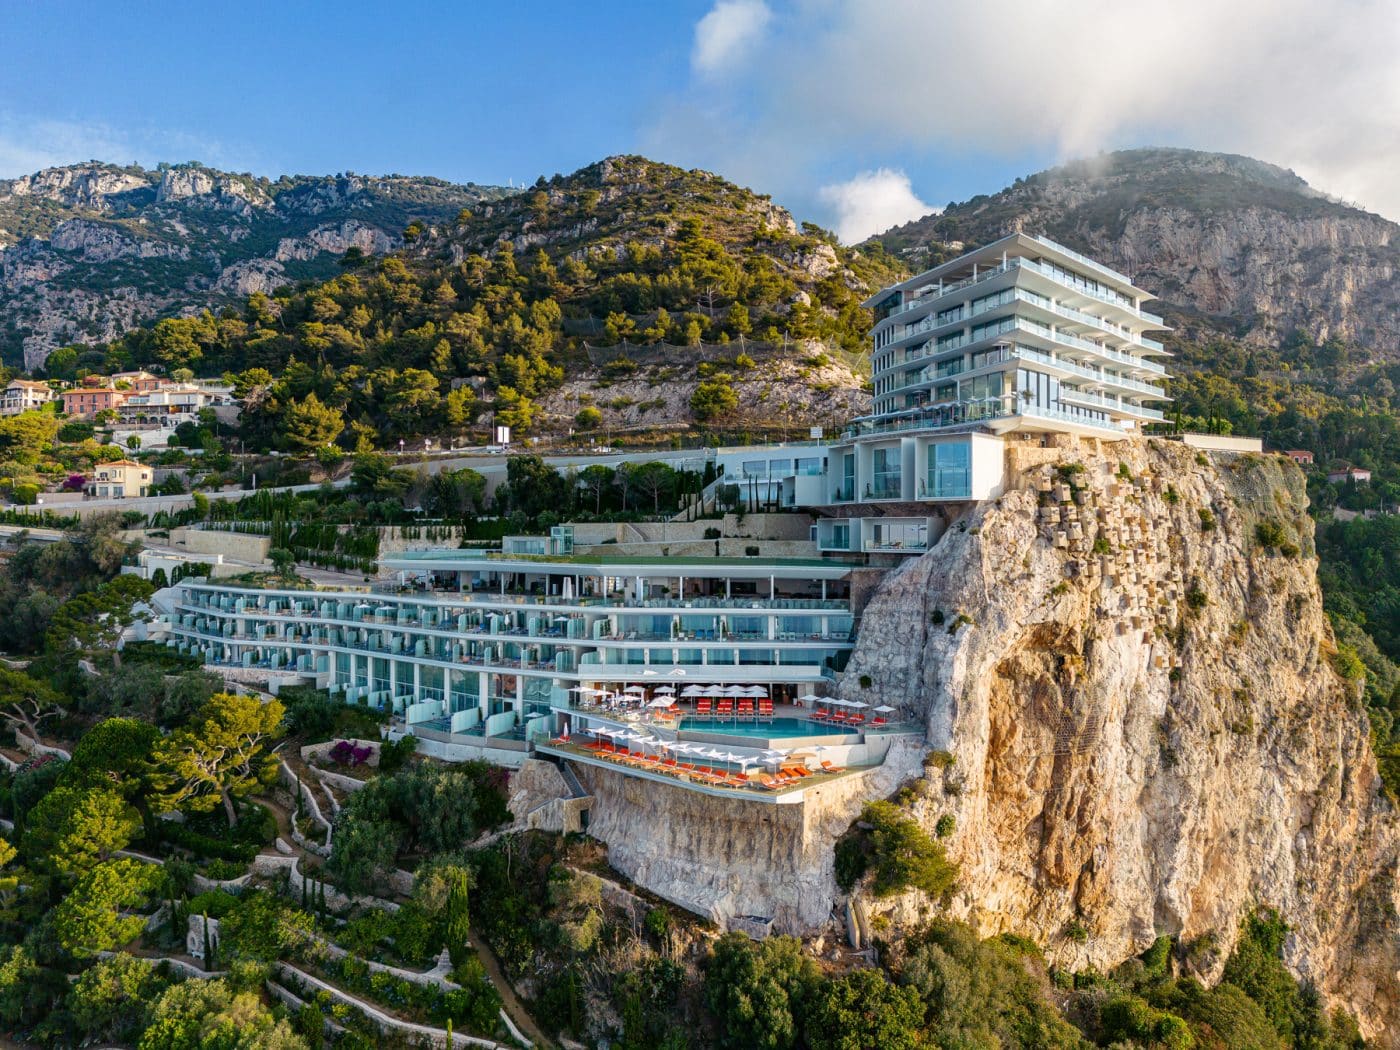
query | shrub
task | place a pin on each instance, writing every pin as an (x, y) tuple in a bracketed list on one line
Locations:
[(713, 399), (904, 855), (1207, 519)]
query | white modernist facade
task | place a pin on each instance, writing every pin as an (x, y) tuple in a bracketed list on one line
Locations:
[(483, 650), (1022, 338)]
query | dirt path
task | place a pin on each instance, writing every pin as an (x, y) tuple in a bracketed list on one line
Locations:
[(509, 1000)]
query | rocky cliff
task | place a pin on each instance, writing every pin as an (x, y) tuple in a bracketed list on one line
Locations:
[(91, 250), (1127, 660), (1233, 242)]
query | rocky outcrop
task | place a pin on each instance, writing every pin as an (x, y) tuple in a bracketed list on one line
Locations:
[(727, 857), (91, 250), (1145, 733), (807, 388)]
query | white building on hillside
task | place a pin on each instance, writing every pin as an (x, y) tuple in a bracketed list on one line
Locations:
[(1022, 338)]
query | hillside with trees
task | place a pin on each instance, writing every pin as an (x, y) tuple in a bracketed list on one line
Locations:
[(624, 271), (90, 250)]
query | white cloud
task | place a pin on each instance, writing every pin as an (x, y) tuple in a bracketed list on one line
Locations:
[(1310, 86), (872, 202), (727, 34), (29, 144)]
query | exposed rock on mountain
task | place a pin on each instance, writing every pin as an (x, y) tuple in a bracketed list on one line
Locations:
[(1229, 241), (1146, 733), (91, 250)]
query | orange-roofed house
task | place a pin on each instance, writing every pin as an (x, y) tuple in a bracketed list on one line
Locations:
[(120, 479)]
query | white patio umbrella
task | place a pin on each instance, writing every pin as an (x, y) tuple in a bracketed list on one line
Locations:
[(735, 691), (836, 701), (857, 703), (665, 689), (756, 691), (693, 691), (812, 698), (635, 689), (883, 709), (663, 701)]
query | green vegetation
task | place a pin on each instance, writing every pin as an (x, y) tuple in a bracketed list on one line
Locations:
[(365, 357)]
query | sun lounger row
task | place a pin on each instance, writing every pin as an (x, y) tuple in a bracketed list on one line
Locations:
[(712, 775)]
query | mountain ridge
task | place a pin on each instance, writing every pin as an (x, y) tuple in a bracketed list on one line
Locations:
[(1231, 244), (88, 251)]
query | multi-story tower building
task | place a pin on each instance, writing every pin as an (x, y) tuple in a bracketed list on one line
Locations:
[(1023, 334), (1021, 339)]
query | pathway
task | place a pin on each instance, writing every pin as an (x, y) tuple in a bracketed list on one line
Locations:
[(510, 1002)]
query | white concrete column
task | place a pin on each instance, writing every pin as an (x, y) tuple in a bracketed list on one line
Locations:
[(519, 695), (483, 697), (417, 681), (393, 676)]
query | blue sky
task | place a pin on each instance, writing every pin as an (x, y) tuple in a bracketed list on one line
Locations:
[(854, 113)]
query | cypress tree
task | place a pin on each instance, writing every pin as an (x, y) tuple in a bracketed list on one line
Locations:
[(208, 945), (322, 902), (451, 1042)]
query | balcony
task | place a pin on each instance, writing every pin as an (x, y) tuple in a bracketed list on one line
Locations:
[(1109, 404), (1097, 375)]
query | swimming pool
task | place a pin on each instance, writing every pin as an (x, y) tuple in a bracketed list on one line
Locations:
[(766, 729)]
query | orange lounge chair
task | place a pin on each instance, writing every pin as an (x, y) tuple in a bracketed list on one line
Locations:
[(702, 707), (827, 767), (726, 708)]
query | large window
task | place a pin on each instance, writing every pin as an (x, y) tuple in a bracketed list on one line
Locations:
[(950, 470), (885, 473)]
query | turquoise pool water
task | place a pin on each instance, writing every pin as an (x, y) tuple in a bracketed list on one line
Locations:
[(766, 729)]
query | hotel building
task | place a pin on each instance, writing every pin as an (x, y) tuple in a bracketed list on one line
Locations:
[(1020, 340), (495, 654)]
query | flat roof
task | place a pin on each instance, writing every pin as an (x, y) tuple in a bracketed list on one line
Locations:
[(1018, 244), (608, 565)]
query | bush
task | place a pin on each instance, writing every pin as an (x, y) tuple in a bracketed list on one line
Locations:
[(713, 399), (904, 855), (588, 418)]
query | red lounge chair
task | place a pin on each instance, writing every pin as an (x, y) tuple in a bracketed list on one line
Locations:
[(856, 719), (878, 721), (702, 707), (745, 708), (726, 708), (838, 716), (765, 708)]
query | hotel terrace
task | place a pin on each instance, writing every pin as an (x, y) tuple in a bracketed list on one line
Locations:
[(719, 672), (589, 656)]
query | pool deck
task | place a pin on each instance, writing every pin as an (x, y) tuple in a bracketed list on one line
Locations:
[(789, 794)]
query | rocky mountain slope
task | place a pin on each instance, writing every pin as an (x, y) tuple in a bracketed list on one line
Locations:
[(91, 250), (1143, 729), (627, 274), (1228, 242)]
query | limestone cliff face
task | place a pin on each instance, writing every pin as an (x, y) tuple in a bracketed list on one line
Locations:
[(1146, 732), (90, 250), (727, 858)]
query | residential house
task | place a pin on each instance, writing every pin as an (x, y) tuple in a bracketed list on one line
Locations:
[(120, 479), (1360, 475), (23, 395)]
